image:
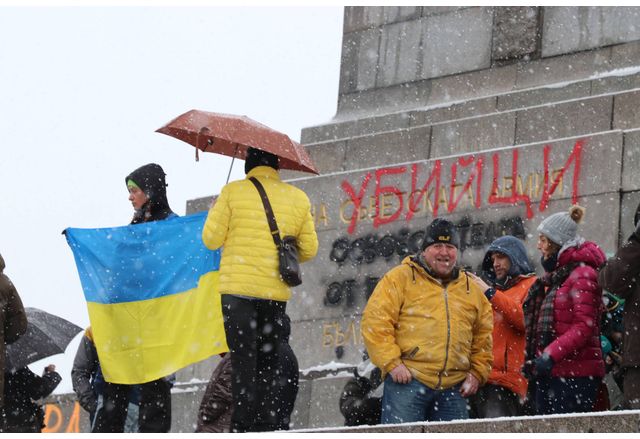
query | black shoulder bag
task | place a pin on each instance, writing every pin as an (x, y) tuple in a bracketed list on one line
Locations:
[(287, 246)]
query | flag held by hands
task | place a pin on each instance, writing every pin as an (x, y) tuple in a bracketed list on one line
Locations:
[(152, 295)]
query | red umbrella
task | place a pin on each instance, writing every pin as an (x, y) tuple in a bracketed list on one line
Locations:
[(232, 135)]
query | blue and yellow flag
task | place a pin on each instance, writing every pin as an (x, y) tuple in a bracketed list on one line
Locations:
[(152, 294)]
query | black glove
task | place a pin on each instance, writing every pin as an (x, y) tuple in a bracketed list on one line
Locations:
[(543, 365), (489, 293)]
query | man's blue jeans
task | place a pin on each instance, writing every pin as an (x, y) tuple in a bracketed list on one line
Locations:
[(416, 402)]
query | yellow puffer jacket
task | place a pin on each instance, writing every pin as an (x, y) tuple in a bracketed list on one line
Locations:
[(237, 221), (439, 333)]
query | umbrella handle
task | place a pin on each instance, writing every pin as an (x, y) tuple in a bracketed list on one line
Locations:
[(232, 160)]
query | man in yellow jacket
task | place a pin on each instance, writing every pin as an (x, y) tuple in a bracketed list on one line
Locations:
[(428, 327), (254, 296)]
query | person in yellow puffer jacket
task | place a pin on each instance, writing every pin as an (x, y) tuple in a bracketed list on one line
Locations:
[(254, 296), (428, 327)]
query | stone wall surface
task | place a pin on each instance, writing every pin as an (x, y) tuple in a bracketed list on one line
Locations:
[(572, 29)]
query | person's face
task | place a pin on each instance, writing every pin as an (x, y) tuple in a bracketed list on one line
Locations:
[(441, 258), (501, 264), (546, 247), (137, 197)]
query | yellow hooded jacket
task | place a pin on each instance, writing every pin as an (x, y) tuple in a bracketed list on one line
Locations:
[(237, 221), (440, 333)]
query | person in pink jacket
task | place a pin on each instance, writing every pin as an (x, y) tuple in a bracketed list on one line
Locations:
[(562, 319)]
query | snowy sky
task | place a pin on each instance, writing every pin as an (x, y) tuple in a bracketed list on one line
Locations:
[(82, 90)]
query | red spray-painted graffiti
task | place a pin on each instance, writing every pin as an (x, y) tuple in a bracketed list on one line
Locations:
[(392, 197)]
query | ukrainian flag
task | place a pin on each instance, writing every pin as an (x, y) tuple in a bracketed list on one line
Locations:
[(152, 294)]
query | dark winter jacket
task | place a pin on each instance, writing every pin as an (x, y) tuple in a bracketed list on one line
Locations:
[(621, 276), (361, 398), (150, 178), (13, 320), (86, 375), (22, 389), (216, 407), (577, 311), (508, 316)]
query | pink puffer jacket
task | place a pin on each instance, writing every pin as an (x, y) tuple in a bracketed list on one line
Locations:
[(576, 350)]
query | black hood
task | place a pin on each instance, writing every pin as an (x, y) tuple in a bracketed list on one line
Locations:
[(636, 218), (150, 178)]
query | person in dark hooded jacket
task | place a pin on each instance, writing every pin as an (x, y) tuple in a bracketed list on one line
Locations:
[(13, 322), (361, 398), (563, 311), (22, 412), (507, 269), (621, 276), (148, 196)]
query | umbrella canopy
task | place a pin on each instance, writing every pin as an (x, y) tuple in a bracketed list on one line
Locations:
[(232, 135), (46, 335)]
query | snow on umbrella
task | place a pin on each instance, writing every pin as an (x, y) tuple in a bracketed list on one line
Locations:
[(46, 335), (232, 135)]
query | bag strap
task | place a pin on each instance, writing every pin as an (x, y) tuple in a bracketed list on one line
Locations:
[(271, 219)]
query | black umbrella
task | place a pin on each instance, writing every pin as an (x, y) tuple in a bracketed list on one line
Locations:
[(46, 335)]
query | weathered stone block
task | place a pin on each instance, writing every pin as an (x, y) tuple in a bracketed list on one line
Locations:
[(359, 61), (315, 341), (564, 120), (393, 14), (543, 95), (367, 103), (200, 370), (328, 157), (571, 29), (456, 42), (473, 85), (199, 204), (390, 122), (439, 10), (625, 55), (474, 134), (332, 131), (185, 400), (359, 17), (475, 107), (340, 130), (630, 161), (324, 403), (387, 148), (573, 67), (615, 83), (515, 32), (400, 53), (300, 414), (626, 114)]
